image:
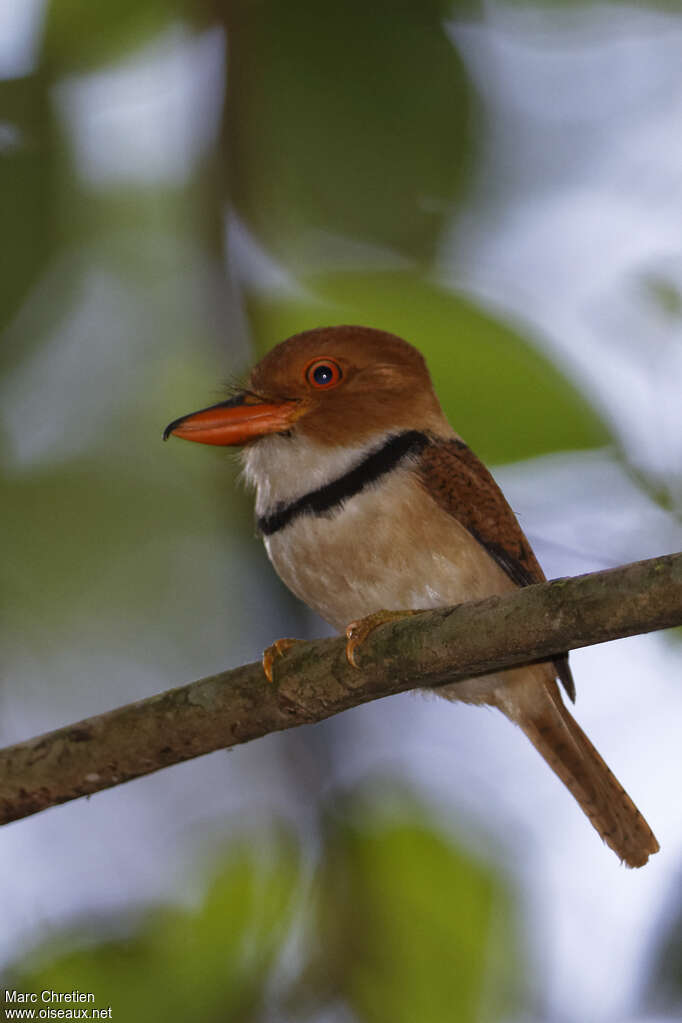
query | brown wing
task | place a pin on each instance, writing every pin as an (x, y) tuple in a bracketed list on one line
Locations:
[(460, 483)]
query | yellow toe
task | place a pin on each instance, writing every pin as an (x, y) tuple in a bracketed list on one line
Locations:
[(358, 631), (273, 654)]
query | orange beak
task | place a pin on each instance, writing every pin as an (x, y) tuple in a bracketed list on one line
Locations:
[(236, 421)]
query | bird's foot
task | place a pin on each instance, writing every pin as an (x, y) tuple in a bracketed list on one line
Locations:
[(357, 632), (274, 652)]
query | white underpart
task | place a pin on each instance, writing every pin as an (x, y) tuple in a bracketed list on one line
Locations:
[(388, 547), (285, 468)]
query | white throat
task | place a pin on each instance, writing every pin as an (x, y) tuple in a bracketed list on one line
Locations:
[(283, 469)]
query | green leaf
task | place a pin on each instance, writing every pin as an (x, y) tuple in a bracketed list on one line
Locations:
[(409, 926), (352, 118), (26, 182), (81, 528), (499, 391), (206, 964), (81, 35)]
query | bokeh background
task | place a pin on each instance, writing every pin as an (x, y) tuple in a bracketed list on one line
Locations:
[(183, 184)]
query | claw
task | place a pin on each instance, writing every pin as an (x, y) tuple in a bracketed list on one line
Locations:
[(274, 652), (358, 631)]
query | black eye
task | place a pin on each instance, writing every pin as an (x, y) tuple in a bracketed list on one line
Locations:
[(323, 373)]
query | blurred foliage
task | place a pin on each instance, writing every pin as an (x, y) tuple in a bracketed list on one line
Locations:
[(346, 118), (397, 923), (664, 989), (664, 295), (501, 394), (104, 31), (407, 926), (349, 136), (208, 963), (26, 173), (78, 531)]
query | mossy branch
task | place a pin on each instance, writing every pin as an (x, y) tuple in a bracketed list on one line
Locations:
[(314, 680)]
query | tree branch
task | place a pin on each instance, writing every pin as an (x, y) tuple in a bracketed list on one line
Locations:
[(314, 680)]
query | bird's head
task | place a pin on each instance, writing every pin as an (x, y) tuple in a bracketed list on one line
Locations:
[(332, 385)]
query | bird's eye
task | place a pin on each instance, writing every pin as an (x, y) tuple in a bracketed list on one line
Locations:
[(323, 374)]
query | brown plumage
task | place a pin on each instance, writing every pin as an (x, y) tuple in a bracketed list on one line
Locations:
[(368, 500), (459, 482), (558, 738), (456, 479)]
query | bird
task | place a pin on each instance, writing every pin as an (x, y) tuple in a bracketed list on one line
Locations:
[(371, 506)]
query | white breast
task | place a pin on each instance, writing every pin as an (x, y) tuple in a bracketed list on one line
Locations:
[(284, 468), (389, 547)]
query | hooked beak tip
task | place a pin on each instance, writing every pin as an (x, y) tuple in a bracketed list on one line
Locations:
[(172, 427), (236, 421)]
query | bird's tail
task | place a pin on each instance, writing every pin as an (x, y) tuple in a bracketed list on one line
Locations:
[(563, 744)]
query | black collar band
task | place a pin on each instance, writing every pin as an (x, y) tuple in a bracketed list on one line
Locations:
[(333, 495)]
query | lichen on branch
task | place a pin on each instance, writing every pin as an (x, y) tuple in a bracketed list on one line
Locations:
[(313, 681)]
